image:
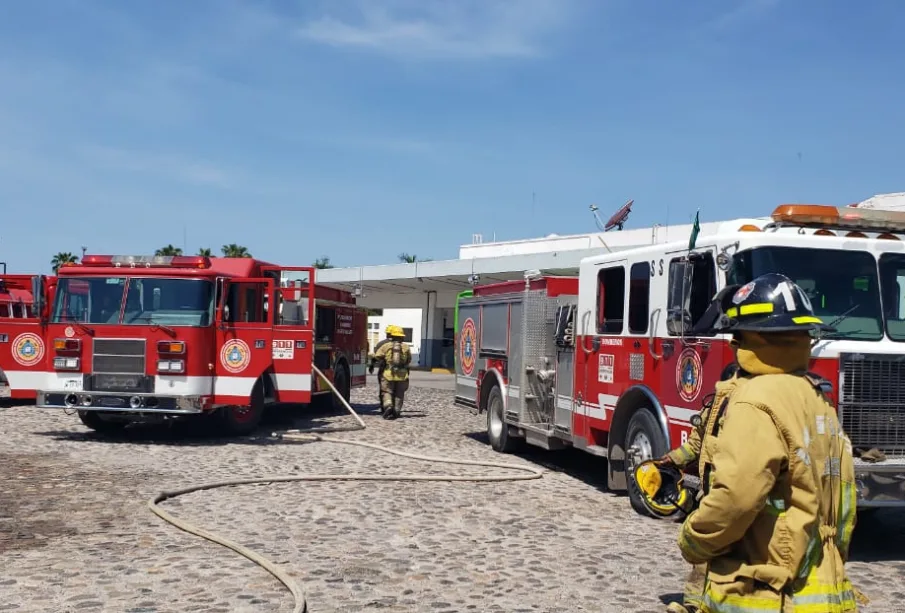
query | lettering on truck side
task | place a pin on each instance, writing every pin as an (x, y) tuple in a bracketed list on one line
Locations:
[(606, 363), (345, 324), (283, 349)]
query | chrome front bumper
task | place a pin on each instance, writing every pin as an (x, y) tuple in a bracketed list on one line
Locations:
[(120, 402), (880, 484)]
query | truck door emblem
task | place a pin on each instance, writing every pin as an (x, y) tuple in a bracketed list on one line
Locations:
[(688, 374), (235, 355), (467, 349), (28, 349)]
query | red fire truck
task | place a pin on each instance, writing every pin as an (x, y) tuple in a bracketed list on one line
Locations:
[(605, 361), (21, 350), (149, 338)]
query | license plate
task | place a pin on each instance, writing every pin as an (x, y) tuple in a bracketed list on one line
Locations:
[(74, 385)]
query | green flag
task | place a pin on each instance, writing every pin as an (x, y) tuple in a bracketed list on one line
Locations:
[(695, 230)]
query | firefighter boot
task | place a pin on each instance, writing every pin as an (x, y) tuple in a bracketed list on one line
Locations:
[(386, 398)]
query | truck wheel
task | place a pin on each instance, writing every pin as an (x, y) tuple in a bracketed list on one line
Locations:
[(343, 384), (644, 433), (237, 420), (96, 422), (497, 429)]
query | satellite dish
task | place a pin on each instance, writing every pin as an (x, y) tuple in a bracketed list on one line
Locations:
[(619, 217)]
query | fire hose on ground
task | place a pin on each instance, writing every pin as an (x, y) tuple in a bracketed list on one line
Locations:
[(293, 586)]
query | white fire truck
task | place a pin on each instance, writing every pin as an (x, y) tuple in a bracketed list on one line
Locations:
[(141, 338), (605, 361), (21, 354)]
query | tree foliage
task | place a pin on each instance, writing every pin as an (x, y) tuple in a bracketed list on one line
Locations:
[(169, 250), (233, 250), (63, 257)]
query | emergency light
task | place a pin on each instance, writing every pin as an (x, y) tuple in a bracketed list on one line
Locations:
[(840, 216), (148, 261)]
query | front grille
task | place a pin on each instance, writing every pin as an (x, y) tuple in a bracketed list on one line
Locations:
[(872, 401), (119, 356)]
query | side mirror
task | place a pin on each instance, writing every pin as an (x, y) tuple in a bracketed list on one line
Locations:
[(37, 293)]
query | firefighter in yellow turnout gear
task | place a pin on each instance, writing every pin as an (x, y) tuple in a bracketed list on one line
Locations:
[(395, 357), (778, 508)]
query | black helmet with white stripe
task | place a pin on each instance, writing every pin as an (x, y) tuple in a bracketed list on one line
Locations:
[(770, 303)]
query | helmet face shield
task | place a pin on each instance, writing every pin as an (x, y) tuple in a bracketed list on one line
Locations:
[(661, 489)]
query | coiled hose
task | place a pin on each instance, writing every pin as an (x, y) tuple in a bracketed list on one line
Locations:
[(298, 594)]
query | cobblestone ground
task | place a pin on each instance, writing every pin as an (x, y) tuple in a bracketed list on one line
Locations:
[(76, 535)]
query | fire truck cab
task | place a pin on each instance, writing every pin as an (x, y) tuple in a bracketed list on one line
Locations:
[(607, 362), (150, 338), (21, 352)]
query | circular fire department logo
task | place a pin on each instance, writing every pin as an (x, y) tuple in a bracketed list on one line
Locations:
[(235, 355), (688, 374), (467, 346), (69, 331), (28, 349)]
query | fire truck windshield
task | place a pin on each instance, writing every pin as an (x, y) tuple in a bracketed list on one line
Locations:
[(148, 301), (842, 285)]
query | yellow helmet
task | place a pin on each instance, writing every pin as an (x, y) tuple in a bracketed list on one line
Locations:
[(662, 490), (395, 331)]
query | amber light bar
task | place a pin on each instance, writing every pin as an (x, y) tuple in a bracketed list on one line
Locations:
[(148, 261), (839, 217)]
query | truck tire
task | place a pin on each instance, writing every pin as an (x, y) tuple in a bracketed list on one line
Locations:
[(96, 422), (643, 431), (343, 384), (236, 420), (497, 430)]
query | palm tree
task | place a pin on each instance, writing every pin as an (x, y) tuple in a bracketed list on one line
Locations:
[(205, 251), (323, 262), (169, 250), (63, 257), (411, 258), (233, 250)]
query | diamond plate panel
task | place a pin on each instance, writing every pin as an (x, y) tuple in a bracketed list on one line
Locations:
[(537, 331), (636, 366)]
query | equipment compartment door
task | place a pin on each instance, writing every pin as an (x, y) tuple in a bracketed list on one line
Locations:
[(293, 332), (244, 337), (467, 348)]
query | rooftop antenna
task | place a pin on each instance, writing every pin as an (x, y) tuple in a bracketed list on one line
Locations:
[(617, 220)]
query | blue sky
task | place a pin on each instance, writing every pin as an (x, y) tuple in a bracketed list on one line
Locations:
[(359, 129)]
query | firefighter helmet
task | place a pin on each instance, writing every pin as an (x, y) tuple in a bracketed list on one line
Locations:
[(770, 303), (662, 491), (395, 331)]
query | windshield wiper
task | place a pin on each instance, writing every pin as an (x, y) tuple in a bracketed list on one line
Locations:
[(155, 326), (843, 317)]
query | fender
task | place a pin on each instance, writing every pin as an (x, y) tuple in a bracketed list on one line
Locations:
[(632, 398), (504, 389)]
